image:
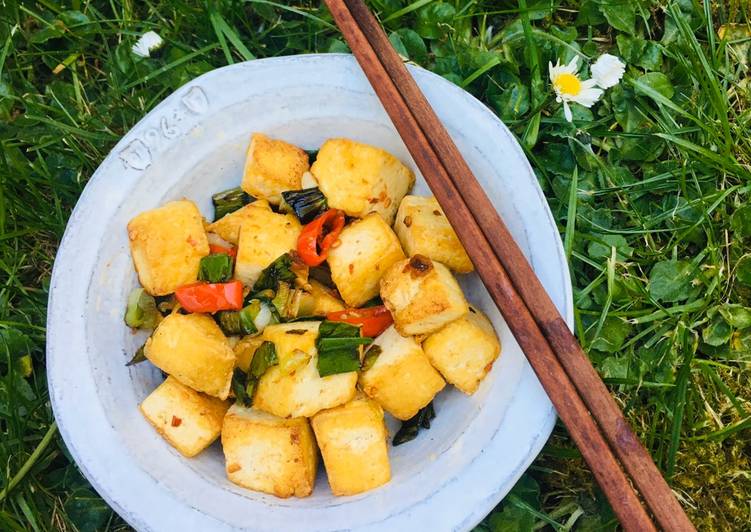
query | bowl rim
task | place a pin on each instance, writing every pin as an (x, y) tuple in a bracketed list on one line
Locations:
[(473, 515)]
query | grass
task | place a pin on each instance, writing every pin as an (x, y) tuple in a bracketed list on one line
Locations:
[(650, 188)]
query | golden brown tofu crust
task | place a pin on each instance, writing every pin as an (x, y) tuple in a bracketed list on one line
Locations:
[(268, 453), (352, 439), (360, 179), (193, 349), (423, 229), (464, 350), (366, 249), (422, 295), (271, 167), (402, 380), (167, 245), (190, 421)]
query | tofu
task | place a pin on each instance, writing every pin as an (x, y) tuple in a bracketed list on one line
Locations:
[(360, 179), (190, 421), (464, 350), (423, 229), (167, 245), (269, 454), (422, 296), (293, 388), (367, 248), (271, 167), (264, 237), (352, 439), (401, 380), (193, 349), (318, 300), (228, 226)]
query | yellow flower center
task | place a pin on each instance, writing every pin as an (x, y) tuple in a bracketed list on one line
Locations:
[(568, 84)]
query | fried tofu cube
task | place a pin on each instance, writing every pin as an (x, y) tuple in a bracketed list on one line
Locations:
[(401, 380), (352, 439), (264, 237), (359, 179), (193, 349), (271, 167), (190, 421), (367, 248), (167, 245), (423, 229), (318, 300), (228, 226), (270, 454), (422, 296), (293, 388), (464, 350)]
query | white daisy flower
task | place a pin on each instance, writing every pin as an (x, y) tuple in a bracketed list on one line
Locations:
[(608, 71), (148, 42), (569, 88)]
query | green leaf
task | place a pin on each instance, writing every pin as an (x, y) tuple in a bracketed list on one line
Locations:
[(640, 52), (670, 281), (656, 81), (741, 221), (621, 14), (736, 315), (87, 511), (589, 14), (601, 247), (743, 270), (718, 332), (614, 367), (337, 46), (435, 20), (512, 102), (54, 30), (511, 518), (409, 43), (612, 335), (215, 268)]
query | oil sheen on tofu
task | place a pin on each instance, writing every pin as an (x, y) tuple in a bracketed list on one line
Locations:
[(317, 301)]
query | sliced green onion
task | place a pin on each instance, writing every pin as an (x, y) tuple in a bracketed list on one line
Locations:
[(215, 268), (237, 322), (338, 346), (138, 357), (141, 312), (229, 201), (410, 428), (307, 204), (279, 270), (370, 357)]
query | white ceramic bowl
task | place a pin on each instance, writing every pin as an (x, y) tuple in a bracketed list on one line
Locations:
[(193, 144)]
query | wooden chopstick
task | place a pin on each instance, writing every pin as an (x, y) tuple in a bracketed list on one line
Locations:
[(553, 377), (632, 454), (635, 458)]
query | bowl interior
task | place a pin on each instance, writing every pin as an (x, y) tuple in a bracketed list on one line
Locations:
[(193, 145)]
